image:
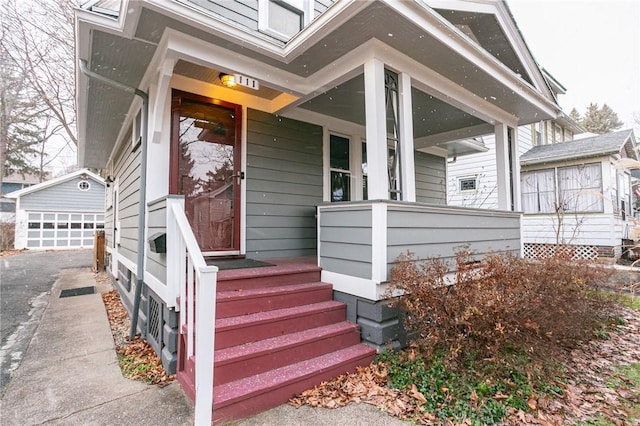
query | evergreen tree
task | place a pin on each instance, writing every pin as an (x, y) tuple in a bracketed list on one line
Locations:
[(600, 120)]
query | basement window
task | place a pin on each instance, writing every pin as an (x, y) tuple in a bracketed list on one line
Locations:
[(468, 184)]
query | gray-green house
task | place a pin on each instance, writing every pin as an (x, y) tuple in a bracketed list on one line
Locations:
[(299, 130)]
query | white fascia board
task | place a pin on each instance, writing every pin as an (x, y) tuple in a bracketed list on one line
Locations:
[(447, 34), (454, 135), (55, 181)]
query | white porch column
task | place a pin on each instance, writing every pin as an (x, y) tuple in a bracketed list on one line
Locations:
[(406, 139), (502, 166), (376, 130), (515, 166)]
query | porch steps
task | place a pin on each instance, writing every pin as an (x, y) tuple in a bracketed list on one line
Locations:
[(243, 302), (278, 333)]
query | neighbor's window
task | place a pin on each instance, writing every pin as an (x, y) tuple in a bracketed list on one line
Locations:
[(339, 167), (84, 185), (283, 18), (580, 188), (468, 183), (538, 191)]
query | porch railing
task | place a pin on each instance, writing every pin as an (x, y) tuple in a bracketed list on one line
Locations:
[(195, 282)]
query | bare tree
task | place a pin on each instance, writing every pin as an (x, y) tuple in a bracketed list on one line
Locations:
[(38, 40)]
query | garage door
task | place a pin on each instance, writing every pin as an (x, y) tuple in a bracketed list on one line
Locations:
[(62, 230)]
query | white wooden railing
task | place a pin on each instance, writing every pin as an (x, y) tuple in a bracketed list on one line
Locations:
[(189, 276)]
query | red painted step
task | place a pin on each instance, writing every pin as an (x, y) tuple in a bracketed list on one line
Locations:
[(263, 325), (253, 358), (253, 394), (243, 302), (268, 276)]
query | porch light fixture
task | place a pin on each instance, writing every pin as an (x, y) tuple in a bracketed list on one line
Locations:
[(228, 80)]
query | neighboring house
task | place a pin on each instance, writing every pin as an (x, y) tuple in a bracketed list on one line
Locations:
[(576, 193), (332, 122), (61, 213), (472, 180), (13, 182)]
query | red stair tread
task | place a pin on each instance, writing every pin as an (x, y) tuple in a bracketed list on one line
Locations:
[(250, 387), (254, 349), (276, 315), (268, 291)]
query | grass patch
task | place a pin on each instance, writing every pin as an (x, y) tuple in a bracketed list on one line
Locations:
[(481, 393), (629, 301)]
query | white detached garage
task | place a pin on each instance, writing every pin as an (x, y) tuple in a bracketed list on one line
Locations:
[(61, 213)]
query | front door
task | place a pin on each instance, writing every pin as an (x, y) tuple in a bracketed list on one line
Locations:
[(205, 168)]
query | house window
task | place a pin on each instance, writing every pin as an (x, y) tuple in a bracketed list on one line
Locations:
[(84, 185), (365, 188), (283, 19), (558, 134), (339, 168), (468, 184), (580, 188), (538, 191)]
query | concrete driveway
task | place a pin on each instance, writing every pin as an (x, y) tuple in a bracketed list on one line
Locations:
[(26, 279)]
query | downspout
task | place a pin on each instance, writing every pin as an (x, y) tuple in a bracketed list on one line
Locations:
[(143, 185)]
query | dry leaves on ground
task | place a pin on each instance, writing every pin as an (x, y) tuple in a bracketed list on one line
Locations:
[(137, 359), (588, 394)]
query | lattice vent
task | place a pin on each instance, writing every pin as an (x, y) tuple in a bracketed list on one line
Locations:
[(154, 323), (542, 251)]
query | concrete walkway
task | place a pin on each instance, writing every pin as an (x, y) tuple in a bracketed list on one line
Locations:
[(70, 376)]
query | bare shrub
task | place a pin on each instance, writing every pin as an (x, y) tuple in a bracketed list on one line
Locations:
[(503, 303), (7, 234)]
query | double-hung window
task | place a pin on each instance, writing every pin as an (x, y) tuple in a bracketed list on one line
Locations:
[(575, 189), (580, 188), (538, 191), (283, 19), (339, 167)]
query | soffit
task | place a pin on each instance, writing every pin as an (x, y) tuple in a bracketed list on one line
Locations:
[(212, 76), (430, 115)]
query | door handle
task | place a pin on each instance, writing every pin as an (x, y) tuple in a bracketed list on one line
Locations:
[(239, 176)]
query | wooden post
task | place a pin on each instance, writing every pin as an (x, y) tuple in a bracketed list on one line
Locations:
[(98, 251)]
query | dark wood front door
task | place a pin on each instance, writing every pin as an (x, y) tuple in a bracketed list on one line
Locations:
[(205, 168)]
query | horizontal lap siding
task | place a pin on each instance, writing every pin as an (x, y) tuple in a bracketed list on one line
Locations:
[(440, 234), (66, 196), (284, 185), (157, 223), (592, 229), (345, 241), (430, 178), (245, 12), (128, 174)]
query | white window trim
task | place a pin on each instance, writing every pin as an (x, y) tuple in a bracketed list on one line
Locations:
[(82, 182), (466, 191), (304, 6)]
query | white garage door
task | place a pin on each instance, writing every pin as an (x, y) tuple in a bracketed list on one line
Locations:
[(62, 230)]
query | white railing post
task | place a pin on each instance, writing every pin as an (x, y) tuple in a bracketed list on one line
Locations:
[(194, 278), (205, 336)]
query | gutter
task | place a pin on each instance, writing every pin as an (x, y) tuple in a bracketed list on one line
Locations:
[(143, 184)]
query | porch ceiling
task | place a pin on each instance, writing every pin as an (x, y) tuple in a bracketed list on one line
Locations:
[(124, 55), (430, 115)]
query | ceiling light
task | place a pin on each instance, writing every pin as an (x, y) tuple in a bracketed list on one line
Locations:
[(228, 80)]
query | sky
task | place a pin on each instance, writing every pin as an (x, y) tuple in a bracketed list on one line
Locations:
[(592, 47)]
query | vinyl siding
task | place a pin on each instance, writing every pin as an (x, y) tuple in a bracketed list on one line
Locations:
[(482, 166), (430, 173), (127, 173), (245, 12), (284, 184), (66, 197), (440, 232), (578, 229), (345, 241), (157, 224)]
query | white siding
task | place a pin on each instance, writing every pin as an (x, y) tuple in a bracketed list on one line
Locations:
[(582, 229), (482, 166)]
